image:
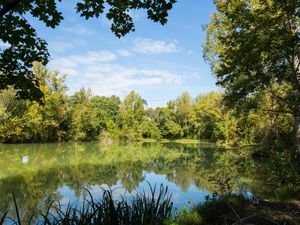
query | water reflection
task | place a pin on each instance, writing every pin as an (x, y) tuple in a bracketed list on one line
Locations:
[(41, 173)]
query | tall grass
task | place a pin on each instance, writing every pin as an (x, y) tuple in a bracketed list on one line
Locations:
[(143, 208)]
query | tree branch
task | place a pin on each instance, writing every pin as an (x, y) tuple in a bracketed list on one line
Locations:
[(8, 7)]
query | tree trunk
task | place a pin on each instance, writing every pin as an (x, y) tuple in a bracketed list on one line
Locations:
[(297, 107), (297, 129), (297, 123), (296, 65)]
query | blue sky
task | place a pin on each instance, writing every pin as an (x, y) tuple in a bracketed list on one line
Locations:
[(159, 62)]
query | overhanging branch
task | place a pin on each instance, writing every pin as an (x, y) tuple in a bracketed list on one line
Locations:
[(8, 7)]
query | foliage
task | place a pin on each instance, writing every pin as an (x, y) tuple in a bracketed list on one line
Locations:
[(132, 115), (208, 112), (250, 44), (253, 47), (188, 217), (24, 47), (262, 119), (236, 209)]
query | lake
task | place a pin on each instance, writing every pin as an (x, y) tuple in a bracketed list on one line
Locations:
[(41, 173)]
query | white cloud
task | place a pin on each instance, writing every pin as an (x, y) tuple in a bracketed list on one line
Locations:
[(61, 45), (93, 57), (149, 46), (168, 77), (123, 52), (78, 29), (96, 70), (69, 64)]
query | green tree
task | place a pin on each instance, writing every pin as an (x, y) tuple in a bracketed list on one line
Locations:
[(83, 123), (184, 112), (150, 129), (11, 116), (107, 110), (25, 47), (47, 121), (208, 110), (132, 114), (252, 45), (166, 120), (22, 120), (270, 120)]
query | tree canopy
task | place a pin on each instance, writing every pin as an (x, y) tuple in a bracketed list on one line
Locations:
[(83, 116), (25, 46), (252, 46)]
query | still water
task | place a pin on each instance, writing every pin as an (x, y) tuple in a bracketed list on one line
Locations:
[(41, 173)]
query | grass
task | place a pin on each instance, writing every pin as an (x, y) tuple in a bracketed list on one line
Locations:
[(238, 210)]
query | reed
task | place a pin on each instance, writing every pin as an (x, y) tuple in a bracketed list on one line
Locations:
[(143, 208)]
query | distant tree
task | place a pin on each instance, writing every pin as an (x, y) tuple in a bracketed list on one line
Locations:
[(24, 46), (166, 119), (208, 110), (107, 115), (132, 114), (252, 45), (184, 112), (11, 116), (83, 122), (46, 122)]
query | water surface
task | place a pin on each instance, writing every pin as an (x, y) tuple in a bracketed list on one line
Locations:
[(41, 173)]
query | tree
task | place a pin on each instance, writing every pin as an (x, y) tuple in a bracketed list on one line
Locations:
[(24, 46), (208, 111), (47, 121), (22, 120), (11, 115), (166, 119), (252, 45), (132, 114), (107, 111), (183, 106), (83, 122)]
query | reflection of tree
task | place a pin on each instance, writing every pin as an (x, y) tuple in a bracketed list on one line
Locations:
[(130, 174), (275, 177), (53, 166), (31, 190)]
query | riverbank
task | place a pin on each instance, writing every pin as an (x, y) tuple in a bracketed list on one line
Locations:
[(143, 140), (181, 141), (238, 210)]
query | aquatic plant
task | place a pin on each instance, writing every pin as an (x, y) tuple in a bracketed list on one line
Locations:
[(143, 208)]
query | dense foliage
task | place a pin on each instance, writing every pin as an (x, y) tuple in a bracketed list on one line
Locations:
[(82, 116), (253, 46), (238, 209)]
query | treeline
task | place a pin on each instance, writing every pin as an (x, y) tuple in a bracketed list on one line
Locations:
[(84, 117)]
